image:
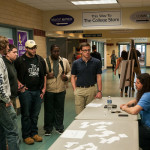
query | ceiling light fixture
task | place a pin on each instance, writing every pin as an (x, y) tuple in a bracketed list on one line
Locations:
[(94, 2)]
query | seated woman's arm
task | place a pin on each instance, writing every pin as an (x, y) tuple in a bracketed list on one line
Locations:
[(129, 104), (131, 107), (134, 110)]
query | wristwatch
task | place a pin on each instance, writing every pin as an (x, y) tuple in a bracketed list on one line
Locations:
[(99, 91)]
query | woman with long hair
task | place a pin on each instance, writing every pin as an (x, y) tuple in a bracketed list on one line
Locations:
[(141, 105)]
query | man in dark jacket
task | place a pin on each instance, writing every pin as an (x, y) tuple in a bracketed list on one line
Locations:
[(95, 54), (9, 59), (31, 72)]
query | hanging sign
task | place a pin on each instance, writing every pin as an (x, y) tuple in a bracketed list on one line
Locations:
[(141, 17), (92, 35), (103, 18), (62, 20), (22, 38), (73, 31)]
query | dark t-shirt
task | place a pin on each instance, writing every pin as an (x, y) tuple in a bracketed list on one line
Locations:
[(96, 55), (86, 72), (32, 76)]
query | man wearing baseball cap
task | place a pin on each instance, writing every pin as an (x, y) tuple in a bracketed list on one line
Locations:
[(31, 73)]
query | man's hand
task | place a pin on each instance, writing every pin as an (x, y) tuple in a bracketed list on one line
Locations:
[(50, 75), (64, 77), (98, 95), (9, 104), (21, 87), (124, 107), (42, 94)]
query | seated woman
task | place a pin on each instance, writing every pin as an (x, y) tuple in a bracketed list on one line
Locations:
[(141, 105)]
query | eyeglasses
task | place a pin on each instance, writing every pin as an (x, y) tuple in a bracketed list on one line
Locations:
[(86, 50), (34, 47), (55, 51)]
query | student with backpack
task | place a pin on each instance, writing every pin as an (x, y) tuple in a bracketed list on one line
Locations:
[(58, 73)]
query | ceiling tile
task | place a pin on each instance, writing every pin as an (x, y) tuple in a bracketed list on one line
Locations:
[(67, 5)]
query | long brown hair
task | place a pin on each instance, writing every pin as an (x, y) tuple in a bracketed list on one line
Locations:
[(145, 81)]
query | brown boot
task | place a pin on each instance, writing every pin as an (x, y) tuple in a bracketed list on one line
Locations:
[(37, 138), (29, 141)]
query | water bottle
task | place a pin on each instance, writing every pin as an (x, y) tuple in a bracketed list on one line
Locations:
[(109, 103)]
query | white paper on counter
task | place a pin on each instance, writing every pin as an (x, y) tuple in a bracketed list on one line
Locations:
[(74, 134), (94, 105)]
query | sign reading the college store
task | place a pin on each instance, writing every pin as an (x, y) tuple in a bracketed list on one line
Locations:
[(103, 18), (62, 20)]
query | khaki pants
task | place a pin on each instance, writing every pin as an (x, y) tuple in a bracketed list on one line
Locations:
[(83, 96)]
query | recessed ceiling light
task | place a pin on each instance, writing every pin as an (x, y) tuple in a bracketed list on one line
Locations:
[(94, 2)]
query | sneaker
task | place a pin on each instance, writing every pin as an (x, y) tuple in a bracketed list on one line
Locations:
[(60, 131), (37, 138), (29, 141), (48, 133)]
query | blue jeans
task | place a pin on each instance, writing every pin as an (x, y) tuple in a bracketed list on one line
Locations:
[(8, 128), (30, 102), (54, 110)]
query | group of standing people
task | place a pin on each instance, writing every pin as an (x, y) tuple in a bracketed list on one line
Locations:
[(27, 77), (32, 78)]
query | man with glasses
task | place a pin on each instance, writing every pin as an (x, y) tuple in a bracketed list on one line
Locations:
[(31, 72), (85, 73)]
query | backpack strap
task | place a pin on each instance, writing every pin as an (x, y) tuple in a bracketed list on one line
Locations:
[(48, 63), (61, 63)]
